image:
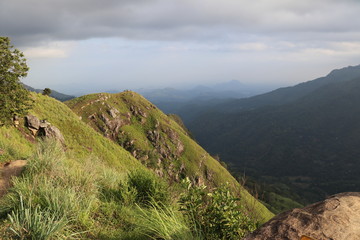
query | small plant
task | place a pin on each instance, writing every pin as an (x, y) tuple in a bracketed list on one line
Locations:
[(217, 214), (28, 222)]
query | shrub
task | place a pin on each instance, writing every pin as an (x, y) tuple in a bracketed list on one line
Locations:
[(148, 187), (217, 214)]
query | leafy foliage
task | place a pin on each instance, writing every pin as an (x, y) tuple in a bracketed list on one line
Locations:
[(14, 98), (46, 91), (217, 214)]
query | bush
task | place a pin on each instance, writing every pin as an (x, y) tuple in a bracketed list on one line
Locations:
[(217, 214), (149, 188)]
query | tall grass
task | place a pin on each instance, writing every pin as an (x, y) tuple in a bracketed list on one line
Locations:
[(28, 222), (50, 198), (163, 222)]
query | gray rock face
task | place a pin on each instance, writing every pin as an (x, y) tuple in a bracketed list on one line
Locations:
[(43, 128), (113, 112), (52, 132), (33, 123), (336, 218)]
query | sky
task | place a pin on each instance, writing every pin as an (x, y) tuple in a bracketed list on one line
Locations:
[(82, 46)]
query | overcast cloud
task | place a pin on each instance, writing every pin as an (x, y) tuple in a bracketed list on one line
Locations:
[(185, 40)]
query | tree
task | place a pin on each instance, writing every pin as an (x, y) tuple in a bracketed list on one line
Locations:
[(46, 91), (14, 98)]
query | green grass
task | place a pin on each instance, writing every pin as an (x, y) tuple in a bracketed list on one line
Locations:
[(198, 163), (14, 145), (91, 188), (164, 222), (81, 140)]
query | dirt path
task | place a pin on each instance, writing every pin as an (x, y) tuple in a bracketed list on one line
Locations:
[(8, 170)]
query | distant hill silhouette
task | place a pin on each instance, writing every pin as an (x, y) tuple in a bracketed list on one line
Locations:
[(57, 95), (306, 136)]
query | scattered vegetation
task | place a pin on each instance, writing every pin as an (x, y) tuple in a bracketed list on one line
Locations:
[(56, 198)]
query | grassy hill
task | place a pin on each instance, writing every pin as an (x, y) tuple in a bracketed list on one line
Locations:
[(155, 139), (96, 187)]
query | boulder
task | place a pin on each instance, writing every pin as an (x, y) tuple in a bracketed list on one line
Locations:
[(336, 218), (32, 123), (43, 128), (52, 132)]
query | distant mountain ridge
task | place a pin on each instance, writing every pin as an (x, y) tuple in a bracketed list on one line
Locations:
[(288, 94), (229, 89), (306, 136), (57, 95)]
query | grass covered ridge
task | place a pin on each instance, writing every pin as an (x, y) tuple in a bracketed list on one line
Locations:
[(158, 141), (92, 188)]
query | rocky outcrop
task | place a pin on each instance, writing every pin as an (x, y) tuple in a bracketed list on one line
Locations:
[(32, 123), (43, 128), (336, 218), (113, 112), (51, 132)]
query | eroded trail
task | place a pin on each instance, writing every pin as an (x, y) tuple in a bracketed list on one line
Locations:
[(7, 171)]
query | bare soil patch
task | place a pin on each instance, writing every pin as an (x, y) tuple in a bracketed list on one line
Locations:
[(7, 171)]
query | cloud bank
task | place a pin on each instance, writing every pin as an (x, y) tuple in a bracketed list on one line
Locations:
[(32, 22)]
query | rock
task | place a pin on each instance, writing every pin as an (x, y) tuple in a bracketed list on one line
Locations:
[(336, 218), (32, 123), (52, 132), (92, 116), (159, 172), (113, 125), (179, 148), (113, 112), (134, 153), (157, 124), (128, 116), (43, 128), (143, 114), (16, 121), (44, 124)]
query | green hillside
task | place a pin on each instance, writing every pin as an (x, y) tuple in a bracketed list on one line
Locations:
[(156, 140), (90, 187)]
